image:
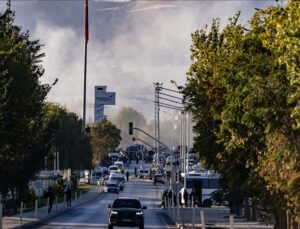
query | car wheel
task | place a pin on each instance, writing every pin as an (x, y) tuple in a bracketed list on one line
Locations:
[(141, 226), (110, 226), (207, 203)]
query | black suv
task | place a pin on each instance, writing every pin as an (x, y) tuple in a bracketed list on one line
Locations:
[(126, 211)]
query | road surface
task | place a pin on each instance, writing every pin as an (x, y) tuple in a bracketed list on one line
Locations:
[(95, 214)]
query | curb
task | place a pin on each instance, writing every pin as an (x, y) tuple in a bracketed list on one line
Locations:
[(54, 215), (171, 219)]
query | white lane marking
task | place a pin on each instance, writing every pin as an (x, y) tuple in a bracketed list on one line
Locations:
[(100, 225), (78, 224)]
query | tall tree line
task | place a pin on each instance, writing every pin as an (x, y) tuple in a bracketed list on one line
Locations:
[(30, 128), (243, 92)]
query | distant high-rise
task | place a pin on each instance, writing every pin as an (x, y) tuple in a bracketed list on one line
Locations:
[(102, 98)]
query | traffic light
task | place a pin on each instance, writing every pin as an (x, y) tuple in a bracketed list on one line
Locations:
[(130, 128)]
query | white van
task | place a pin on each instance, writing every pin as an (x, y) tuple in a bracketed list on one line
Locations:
[(120, 164)]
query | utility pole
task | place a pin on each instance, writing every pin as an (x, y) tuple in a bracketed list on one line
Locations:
[(158, 87)]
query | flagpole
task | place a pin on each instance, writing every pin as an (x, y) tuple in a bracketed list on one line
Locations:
[(84, 89), (85, 64)]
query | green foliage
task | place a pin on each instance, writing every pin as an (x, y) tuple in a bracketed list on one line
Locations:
[(67, 138), (23, 137), (242, 90), (105, 138)]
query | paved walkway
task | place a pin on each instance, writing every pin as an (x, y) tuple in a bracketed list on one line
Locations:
[(215, 217), (29, 219)]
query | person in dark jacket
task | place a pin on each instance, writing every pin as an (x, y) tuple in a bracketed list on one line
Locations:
[(69, 197), (50, 196), (127, 175), (170, 197), (185, 197)]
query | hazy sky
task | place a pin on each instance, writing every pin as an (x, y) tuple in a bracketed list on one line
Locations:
[(132, 45)]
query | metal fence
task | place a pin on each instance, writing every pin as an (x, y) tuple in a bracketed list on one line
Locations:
[(215, 217)]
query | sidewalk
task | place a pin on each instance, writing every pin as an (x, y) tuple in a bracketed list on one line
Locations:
[(29, 220), (215, 217)]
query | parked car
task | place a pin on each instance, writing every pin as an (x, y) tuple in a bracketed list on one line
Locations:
[(158, 178), (111, 187), (95, 180), (126, 211)]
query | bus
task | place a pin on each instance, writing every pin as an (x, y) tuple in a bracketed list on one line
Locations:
[(203, 183)]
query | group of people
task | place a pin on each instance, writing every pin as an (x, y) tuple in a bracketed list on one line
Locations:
[(166, 199), (189, 199), (50, 195)]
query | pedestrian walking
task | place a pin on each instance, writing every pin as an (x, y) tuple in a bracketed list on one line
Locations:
[(192, 198), (127, 175), (135, 171), (180, 199), (50, 196), (69, 197), (185, 197), (170, 197)]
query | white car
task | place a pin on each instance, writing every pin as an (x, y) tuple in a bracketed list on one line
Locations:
[(118, 177), (113, 169), (111, 186)]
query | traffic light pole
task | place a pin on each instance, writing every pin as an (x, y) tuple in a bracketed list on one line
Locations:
[(134, 128), (137, 139)]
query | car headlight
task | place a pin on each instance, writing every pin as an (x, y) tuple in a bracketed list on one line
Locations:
[(139, 213), (114, 212)]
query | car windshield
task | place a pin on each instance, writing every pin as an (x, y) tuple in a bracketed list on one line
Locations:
[(111, 185), (126, 203), (119, 179)]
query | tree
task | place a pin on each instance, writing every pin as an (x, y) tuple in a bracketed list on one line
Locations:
[(105, 138), (123, 117), (23, 140), (241, 90), (67, 138)]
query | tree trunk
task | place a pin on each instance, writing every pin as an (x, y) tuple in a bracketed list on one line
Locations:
[(280, 219), (247, 210)]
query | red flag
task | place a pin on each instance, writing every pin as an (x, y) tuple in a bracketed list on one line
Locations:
[(86, 17)]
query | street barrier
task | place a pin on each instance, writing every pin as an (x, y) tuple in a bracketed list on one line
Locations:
[(202, 219), (48, 205), (231, 221), (193, 216), (1, 215), (56, 203), (21, 213), (36, 209)]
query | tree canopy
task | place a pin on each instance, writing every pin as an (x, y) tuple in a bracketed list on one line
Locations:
[(105, 138), (67, 138), (23, 140), (243, 92)]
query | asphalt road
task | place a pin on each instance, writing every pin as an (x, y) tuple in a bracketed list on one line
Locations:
[(95, 214)]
